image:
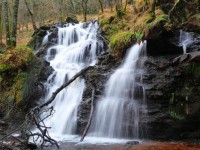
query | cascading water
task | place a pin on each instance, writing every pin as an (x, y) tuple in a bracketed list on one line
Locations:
[(118, 112), (46, 38), (77, 48), (185, 40)]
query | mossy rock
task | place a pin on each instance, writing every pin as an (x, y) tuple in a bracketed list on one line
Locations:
[(182, 11), (37, 37), (72, 19), (193, 70), (14, 59), (120, 42), (193, 23), (11, 92)]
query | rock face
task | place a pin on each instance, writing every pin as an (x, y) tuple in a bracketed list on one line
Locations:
[(170, 97), (172, 82), (37, 75), (95, 77), (182, 14)]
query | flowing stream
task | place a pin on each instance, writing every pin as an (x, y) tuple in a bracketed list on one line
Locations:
[(77, 48), (120, 109), (185, 39)]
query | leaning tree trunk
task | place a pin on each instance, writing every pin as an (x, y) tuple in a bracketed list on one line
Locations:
[(6, 22), (14, 29), (32, 16)]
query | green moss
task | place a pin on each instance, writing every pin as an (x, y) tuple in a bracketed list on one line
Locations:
[(105, 22), (120, 42), (193, 70), (113, 30), (15, 59), (18, 86), (11, 93)]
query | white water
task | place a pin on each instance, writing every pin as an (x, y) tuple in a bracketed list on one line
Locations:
[(77, 48), (118, 112), (46, 38), (185, 39)]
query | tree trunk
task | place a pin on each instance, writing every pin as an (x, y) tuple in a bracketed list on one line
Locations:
[(84, 6), (14, 29), (110, 5), (101, 5), (134, 8), (125, 5), (32, 16), (73, 7), (60, 3), (6, 22)]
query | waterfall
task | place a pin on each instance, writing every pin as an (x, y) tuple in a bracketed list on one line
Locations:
[(46, 38), (77, 48), (119, 110), (185, 39)]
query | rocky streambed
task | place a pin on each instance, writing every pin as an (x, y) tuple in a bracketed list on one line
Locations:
[(151, 145)]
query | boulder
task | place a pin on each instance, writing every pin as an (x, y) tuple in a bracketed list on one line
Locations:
[(72, 20)]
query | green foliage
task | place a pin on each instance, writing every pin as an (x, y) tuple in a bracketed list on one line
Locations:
[(11, 95), (19, 86), (15, 59), (119, 11), (105, 22), (139, 35), (171, 101), (174, 115), (120, 42), (2, 47)]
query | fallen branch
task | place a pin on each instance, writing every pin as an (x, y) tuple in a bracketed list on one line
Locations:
[(36, 113), (90, 117), (63, 86), (33, 117)]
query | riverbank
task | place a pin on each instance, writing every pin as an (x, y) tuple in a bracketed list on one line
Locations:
[(152, 145)]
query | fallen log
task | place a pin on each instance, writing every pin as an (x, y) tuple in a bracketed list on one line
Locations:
[(63, 86)]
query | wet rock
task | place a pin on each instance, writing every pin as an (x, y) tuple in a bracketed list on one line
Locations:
[(72, 20), (95, 77), (3, 123), (37, 75), (53, 37), (31, 146), (131, 143), (170, 99)]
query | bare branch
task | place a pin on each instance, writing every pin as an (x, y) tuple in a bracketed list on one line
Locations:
[(64, 86), (90, 117)]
